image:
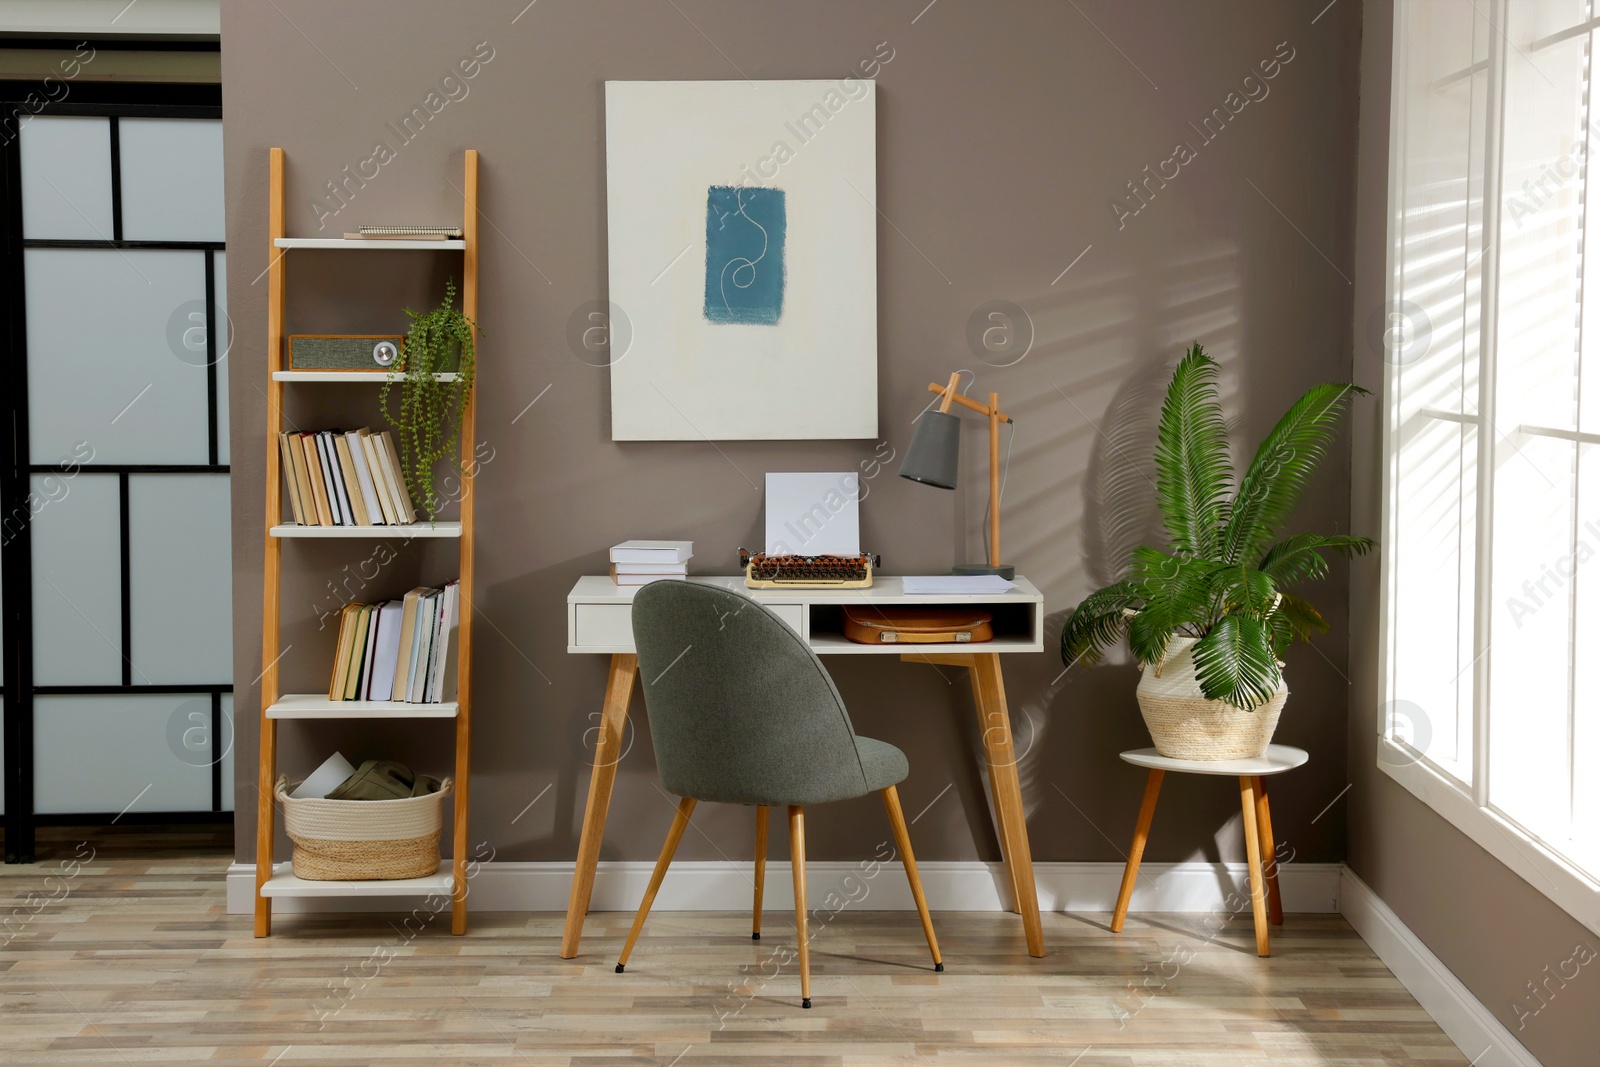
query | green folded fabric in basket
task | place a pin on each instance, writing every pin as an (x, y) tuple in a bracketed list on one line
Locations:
[(384, 780)]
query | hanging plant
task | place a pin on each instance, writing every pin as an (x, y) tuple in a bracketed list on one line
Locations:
[(428, 423)]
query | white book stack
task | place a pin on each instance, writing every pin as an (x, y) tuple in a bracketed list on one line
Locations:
[(643, 562)]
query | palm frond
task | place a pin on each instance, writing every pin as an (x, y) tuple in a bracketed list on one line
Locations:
[(1178, 594), (1235, 662), (1300, 558), (1096, 623), (1303, 619), (1237, 588), (1272, 484), (1193, 473)]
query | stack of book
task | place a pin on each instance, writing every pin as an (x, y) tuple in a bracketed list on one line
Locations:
[(398, 649), (339, 478), (643, 562)]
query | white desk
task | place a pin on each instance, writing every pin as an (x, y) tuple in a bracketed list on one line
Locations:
[(600, 620)]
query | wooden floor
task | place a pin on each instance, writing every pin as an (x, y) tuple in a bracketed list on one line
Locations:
[(132, 959)]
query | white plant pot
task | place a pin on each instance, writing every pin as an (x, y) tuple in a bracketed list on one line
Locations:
[(1185, 725)]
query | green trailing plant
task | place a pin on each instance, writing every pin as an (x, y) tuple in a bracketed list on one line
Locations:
[(1224, 579), (428, 423)]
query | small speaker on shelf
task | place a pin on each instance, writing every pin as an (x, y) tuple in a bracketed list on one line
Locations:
[(343, 351)]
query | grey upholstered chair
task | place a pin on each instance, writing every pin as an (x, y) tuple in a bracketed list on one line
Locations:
[(742, 712)]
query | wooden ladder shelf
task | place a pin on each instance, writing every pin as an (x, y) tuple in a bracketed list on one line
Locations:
[(279, 882)]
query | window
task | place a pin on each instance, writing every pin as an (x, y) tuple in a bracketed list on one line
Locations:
[(1492, 432)]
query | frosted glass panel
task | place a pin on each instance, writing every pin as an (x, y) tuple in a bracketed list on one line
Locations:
[(180, 578), (77, 581), (66, 178), (107, 361), (223, 326), (171, 179), (227, 753), (110, 753)]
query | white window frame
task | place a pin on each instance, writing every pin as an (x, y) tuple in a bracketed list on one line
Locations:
[(1465, 806)]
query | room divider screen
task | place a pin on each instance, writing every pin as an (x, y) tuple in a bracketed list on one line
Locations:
[(115, 569)]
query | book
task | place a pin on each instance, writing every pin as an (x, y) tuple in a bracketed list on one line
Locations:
[(403, 658), (652, 552), (388, 640), (641, 579), (391, 475), (349, 483), (650, 568), (397, 473), (358, 649), (375, 472), (337, 505), (444, 677), (422, 645), (409, 231), (364, 686), (286, 461), (302, 478), (341, 655), (319, 484)]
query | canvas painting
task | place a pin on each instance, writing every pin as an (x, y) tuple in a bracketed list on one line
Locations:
[(742, 243)]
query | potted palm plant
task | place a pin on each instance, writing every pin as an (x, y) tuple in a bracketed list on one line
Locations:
[(428, 423), (1210, 617)]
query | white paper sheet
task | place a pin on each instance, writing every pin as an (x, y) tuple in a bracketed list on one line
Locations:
[(814, 514), (956, 584)]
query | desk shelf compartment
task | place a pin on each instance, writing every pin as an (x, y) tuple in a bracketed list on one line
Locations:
[(1018, 627)]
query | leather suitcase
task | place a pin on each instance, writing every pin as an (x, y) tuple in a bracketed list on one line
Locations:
[(916, 625)]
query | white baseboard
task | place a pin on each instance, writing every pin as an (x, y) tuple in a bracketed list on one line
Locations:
[(950, 886), (1480, 1036)]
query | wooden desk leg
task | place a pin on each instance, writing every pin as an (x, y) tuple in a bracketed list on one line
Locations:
[(265, 831), (1252, 848), (613, 718), (1141, 831), (994, 722), (1002, 819), (1269, 853)]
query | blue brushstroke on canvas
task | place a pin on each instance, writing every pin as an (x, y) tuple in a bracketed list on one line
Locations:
[(745, 231)]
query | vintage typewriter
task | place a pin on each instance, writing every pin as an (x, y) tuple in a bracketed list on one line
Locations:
[(762, 571)]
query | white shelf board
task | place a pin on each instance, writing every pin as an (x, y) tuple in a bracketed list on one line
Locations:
[(375, 376), (368, 246), (318, 706), (283, 883), (416, 529)]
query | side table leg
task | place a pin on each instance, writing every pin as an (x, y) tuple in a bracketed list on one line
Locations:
[(1141, 830), (994, 722), (608, 750), (1252, 848), (1269, 854)]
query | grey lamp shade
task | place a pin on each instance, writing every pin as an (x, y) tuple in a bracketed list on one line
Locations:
[(935, 451)]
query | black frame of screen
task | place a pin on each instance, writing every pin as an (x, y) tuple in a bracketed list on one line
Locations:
[(113, 101)]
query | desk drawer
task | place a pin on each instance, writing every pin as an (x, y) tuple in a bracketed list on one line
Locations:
[(609, 626), (602, 625)]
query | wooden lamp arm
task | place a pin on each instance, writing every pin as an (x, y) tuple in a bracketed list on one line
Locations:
[(950, 394)]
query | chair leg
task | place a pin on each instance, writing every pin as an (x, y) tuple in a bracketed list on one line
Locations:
[(1269, 854), (680, 823), (1141, 832), (902, 840), (797, 857), (761, 868)]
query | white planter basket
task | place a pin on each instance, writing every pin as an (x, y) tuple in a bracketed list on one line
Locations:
[(1185, 725), (364, 840)]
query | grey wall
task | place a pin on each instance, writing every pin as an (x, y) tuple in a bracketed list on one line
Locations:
[(1490, 927), (1004, 132)]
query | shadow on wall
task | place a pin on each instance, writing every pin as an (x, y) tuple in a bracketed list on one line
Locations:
[(1088, 397)]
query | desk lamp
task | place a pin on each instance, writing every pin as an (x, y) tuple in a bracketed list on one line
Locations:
[(935, 455)]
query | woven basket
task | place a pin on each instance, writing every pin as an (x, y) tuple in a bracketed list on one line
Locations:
[(1185, 725), (362, 840)]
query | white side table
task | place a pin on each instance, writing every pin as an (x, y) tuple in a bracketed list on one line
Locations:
[(1264, 898)]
